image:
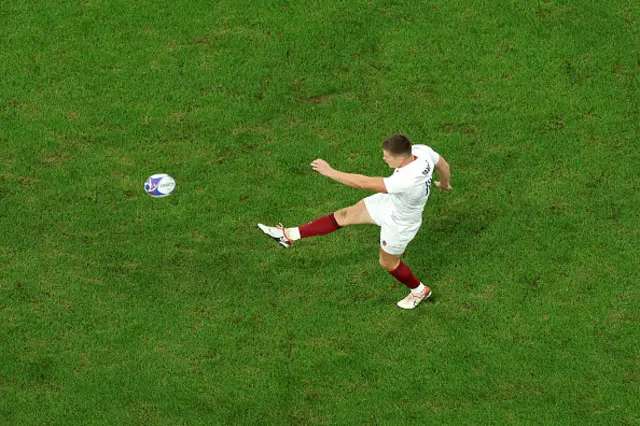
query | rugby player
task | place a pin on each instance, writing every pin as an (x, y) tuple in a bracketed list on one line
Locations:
[(396, 207)]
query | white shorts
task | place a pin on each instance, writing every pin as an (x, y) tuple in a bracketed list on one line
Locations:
[(394, 237)]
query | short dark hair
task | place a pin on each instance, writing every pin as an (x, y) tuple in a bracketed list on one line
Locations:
[(397, 145)]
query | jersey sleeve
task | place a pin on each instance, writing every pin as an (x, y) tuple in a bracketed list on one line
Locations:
[(395, 184), (428, 152), (433, 156)]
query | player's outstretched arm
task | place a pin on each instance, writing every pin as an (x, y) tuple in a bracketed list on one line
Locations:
[(353, 180), (444, 172)]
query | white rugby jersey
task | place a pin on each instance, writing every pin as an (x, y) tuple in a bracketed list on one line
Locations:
[(409, 186)]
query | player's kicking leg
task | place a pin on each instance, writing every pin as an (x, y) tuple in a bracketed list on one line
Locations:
[(353, 215), (403, 273)]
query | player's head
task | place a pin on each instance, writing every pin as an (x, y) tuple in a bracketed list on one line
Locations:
[(396, 149)]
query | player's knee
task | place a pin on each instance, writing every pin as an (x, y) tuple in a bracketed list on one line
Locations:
[(342, 216), (383, 263), (389, 264)]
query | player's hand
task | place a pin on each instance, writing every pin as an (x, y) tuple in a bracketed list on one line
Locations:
[(443, 187), (321, 167)]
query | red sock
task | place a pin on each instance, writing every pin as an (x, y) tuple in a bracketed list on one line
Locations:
[(403, 274), (321, 226)]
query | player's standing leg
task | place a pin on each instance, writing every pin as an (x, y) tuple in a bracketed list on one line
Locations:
[(353, 215), (401, 272)]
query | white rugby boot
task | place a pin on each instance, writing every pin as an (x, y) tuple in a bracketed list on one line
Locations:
[(411, 301), (277, 233)]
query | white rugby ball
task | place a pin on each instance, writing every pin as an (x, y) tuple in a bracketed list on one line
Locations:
[(160, 185)]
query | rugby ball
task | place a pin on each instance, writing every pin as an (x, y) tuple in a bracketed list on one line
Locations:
[(159, 185)]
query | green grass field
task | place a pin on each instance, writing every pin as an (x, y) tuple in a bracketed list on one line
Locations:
[(116, 308)]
